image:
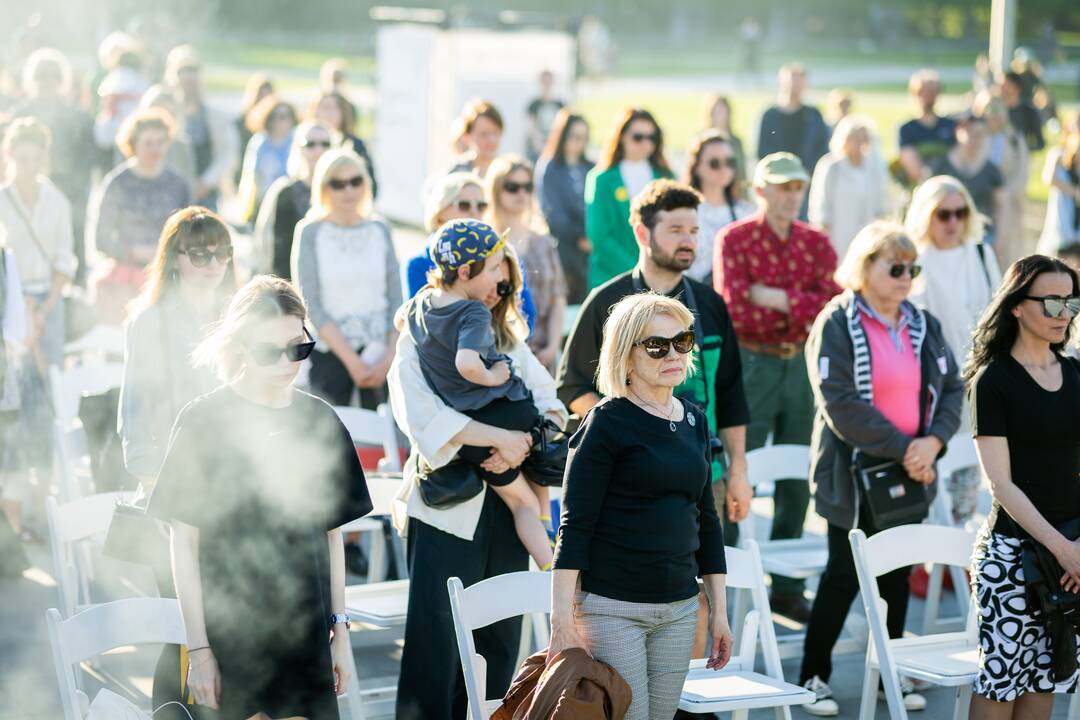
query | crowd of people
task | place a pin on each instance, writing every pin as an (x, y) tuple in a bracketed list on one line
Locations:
[(817, 296)]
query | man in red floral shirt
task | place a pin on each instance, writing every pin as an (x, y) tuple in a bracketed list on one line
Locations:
[(776, 273)]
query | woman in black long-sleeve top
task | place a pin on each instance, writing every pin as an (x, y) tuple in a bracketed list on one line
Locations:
[(638, 523), (561, 172)]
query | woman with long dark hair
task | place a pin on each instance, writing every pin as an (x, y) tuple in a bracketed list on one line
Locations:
[(334, 110), (560, 173), (1025, 403), (633, 158), (712, 168)]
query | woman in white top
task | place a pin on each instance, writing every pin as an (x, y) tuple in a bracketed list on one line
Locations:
[(712, 168), (473, 540), (848, 188), (959, 277), (345, 266), (37, 221)]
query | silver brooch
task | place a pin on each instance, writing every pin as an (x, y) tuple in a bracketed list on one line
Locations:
[(690, 419)]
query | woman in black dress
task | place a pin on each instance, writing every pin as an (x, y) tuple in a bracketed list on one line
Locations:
[(256, 482), (1026, 410)]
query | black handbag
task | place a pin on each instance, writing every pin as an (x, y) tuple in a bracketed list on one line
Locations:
[(1056, 608), (545, 464), (136, 537), (450, 485), (892, 498)]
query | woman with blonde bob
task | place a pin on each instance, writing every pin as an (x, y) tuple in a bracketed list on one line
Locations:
[(258, 479), (873, 359), (639, 525), (347, 272)]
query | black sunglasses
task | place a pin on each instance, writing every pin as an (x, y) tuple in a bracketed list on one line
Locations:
[(945, 214), (336, 184), (642, 137), (717, 163), (1054, 307), (268, 353), (466, 206), (200, 257), (315, 143), (515, 187), (898, 269), (504, 288), (658, 347)]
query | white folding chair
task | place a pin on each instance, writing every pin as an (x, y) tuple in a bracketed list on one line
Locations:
[(101, 628), (70, 526), (102, 343), (378, 602), (68, 387), (737, 688), (947, 659), (373, 427), (485, 603)]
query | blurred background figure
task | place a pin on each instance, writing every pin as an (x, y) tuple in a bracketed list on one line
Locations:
[(541, 113), (1061, 228), (718, 117)]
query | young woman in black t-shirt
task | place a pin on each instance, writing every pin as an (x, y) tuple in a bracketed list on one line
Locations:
[(1026, 414)]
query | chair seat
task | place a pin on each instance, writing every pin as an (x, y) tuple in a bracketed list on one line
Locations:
[(371, 523), (796, 558), (708, 691), (948, 659), (382, 604)]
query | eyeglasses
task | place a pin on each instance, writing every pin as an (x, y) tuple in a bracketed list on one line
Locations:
[(336, 184), (268, 353), (515, 187), (645, 137), (504, 288), (200, 257), (896, 270), (717, 163), (315, 143), (468, 206), (945, 214), (1054, 307), (658, 347)]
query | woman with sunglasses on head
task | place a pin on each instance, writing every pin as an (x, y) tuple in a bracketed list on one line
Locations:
[(886, 386), (272, 122), (633, 158), (472, 540), (514, 210), (289, 199), (639, 525), (712, 168), (848, 188), (345, 266), (1025, 406), (960, 275), (560, 173), (257, 481)]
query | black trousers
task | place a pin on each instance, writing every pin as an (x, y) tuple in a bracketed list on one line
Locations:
[(331, 381), (838, 588), (431, 686), (508, 415)]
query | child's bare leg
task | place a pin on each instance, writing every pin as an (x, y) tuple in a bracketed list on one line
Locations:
[(544, 498), (525, 507)]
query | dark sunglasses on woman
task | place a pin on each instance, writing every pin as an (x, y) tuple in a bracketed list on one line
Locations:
[(898, 269), (642, 137), (945, 214), (504, 288), (515, 187), (466, 206), (717, 163), (336, 184), (200, 257), (658, 347), (315, 143), (1054, 307), (268, 353)]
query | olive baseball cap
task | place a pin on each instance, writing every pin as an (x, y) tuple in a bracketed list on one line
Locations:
[(779, 168)]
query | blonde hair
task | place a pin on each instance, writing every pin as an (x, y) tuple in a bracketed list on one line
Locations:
[(296, 166), (501, 167), (925, 200), (628, 322), (445, 192), (507, 322), (328, 165), (261, 298), (848, 126), (871, 243)]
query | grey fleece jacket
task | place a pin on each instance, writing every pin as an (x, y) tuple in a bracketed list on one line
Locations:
[(844, 421)]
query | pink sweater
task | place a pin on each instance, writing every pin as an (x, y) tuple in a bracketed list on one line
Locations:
[(896, 375)]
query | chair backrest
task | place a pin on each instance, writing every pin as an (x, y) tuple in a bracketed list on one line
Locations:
[(487, 602), (373, 427), (914, 545), (101, 628), (383, 487), (745, 572), (69, 385), (72, 523), (101, 342), (777, 462), (961, 454)]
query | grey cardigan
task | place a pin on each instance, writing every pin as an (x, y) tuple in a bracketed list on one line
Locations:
[(838, 364)]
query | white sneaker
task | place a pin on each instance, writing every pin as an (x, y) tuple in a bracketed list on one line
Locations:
[(913, 701), (824, 705)]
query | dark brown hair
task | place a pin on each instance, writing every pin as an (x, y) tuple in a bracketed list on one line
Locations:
[(661, 196), (697, 146), (555, 148), (139, 122), (348, 112), (258, 118), (476, 109), (613, 152)]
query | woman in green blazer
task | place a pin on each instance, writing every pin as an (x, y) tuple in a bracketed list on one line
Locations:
[(634, 157)]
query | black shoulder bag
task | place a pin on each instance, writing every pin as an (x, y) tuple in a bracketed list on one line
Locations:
[(1057, 609)]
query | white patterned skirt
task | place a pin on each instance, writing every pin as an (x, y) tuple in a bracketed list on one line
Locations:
[(1014, 654)]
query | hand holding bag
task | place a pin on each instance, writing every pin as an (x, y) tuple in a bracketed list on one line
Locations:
[(891, 496)]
